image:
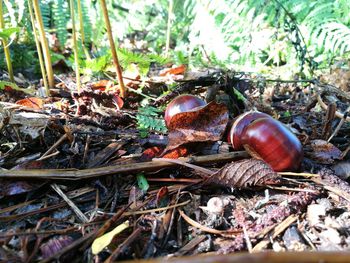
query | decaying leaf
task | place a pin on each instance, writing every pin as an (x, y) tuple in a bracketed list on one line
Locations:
[(162, 198), (101, 242), (150, 153), (155, 151), (245, 174), (29, 123), (324, 152), (54, 245), (206, 123)]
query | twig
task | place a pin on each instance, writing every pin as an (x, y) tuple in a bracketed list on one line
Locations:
[(332, 189), (70, 174), (276, 231), (340, 124), (54, 146), (325, 107), (330, 115), (124, 245), (180, 162), (208, 229), (76, 210)]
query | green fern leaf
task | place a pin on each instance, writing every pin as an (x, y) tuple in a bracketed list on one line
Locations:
[(148, 119)]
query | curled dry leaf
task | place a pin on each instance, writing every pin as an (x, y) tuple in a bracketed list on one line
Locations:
[(244, 174), (324, 152), (205, 123)]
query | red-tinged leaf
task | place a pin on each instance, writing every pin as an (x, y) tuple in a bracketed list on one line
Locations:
[(118, 102), (162, 198), (30, 165), (8, 88), (180, 151), (206, 123), (245, 174), (173, 71), (151, 153), (32, 102), (324, 152)]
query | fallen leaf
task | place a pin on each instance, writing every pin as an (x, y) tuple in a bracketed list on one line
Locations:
[(162, 198), (178, 152), (324, 152), (118, 102), (142, 182), (31, 102), (207, 123), (150, 153), (54, 245), (103, 241), (244, 174), (101, 84), (173, 71)]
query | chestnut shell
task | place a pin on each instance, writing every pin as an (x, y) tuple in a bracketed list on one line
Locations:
[(181, 104), (271, 141), (239, 125)]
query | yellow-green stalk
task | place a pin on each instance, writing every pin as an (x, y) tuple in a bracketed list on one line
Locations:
[(38, 47), (44, 44), (6, 48), (114, 52), (82, 34), (75, 46)]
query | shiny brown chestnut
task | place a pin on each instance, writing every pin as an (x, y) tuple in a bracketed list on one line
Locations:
[(182, 103), (239, 124), (271, 141)]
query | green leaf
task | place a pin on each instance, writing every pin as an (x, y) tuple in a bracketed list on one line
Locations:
[(142, 182), (5, 33)]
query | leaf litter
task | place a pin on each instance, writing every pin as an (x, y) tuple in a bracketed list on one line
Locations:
[(76, 167)]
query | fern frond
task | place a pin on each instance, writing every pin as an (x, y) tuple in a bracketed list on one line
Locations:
[(85, 8), (60, 17), (148, 119), (45, 8)]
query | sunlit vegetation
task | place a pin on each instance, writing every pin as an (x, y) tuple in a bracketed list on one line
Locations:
[(281, 36)]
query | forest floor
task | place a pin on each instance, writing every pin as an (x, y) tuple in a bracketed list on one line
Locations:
[(88, 176)]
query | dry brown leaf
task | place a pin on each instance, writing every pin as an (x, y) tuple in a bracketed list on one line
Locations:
[(244, 174), (324, 152), (202, 124)]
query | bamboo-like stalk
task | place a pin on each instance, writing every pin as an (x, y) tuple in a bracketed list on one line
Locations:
[(75, 46), (168, 33), (6, 48), (82, 33), (114, 52), (38, 47), (44, 43)]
